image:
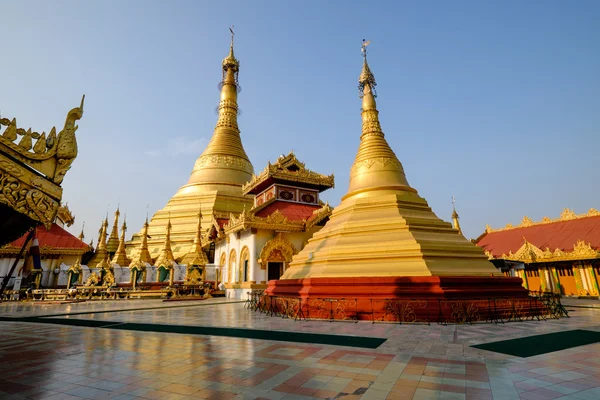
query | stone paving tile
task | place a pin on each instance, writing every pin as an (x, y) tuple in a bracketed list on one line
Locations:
[(41, 361)]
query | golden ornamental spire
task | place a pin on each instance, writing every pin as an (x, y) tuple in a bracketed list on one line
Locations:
[(120, 257), (113, 239), (455, 223), (100, 253), (81, 235), (166, 258), (196, 255), (144, 253), (375, 167), (224, 160), (102, 238)]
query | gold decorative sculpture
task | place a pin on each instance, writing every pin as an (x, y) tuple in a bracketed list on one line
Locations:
[(30, 180)]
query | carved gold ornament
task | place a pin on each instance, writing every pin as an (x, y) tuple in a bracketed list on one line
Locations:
[(528, 253), (278, 243), (290, 169), (566, 215), (21, 188)]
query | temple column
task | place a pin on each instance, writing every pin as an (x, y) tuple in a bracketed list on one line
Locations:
[(593, 279)]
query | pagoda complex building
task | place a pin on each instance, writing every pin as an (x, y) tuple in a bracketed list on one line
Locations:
[(552, 255), (383, 242), (257, 245), (59, 251), (215, 184)]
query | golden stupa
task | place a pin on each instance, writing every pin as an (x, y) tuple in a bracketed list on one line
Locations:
[(383, 228), (215, 184)]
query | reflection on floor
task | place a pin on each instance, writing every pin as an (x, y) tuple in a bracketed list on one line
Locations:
[(47, 361)]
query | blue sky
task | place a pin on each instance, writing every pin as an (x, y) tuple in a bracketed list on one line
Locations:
[(496, 103)]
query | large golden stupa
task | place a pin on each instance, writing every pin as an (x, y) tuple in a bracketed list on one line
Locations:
[(215, 184), (384, 239)]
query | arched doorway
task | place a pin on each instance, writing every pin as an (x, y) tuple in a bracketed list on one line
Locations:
[(276, 255), (244, 268)]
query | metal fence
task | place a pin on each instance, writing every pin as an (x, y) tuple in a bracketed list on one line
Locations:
[(540, 306)]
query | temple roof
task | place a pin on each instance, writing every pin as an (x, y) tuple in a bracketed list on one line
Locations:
[(288, 169), (53, 241), (292, 211), (569, 237)]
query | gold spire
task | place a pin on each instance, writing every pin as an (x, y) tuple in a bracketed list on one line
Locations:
[(455, 223), (215, 181), (113, 240), (120, 257), (166, 258), (101, 253), (81, 235), (196, 255), (224, 160), (375, 167), (382, 227), (230, 60), (143, 256)]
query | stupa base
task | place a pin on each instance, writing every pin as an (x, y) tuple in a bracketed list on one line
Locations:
[(455, 299)]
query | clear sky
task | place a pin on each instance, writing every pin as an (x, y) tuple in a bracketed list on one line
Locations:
[(496, 103)]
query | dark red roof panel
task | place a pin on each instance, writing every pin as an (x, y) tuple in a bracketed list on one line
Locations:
[(292, 211), (56, 238), (555, 235)]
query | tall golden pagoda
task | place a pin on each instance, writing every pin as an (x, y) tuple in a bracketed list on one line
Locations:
[(383, 228), (216, 180)]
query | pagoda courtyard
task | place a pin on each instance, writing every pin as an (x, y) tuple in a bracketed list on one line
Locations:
[(218, 349)]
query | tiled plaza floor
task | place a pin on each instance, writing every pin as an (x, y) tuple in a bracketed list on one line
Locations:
[(47, 361)]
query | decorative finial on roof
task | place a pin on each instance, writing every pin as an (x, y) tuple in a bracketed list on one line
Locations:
[(455, 223), (366, 80), (81, 235), (230, 62)]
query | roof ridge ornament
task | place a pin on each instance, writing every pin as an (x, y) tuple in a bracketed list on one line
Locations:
[(566, 215)]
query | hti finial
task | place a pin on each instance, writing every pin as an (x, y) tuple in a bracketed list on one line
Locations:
[(363, 48), (232, 34), (453, 202)]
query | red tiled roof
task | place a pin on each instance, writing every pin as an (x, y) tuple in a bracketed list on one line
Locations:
[(56, 238), (555, 235), (292, 211)]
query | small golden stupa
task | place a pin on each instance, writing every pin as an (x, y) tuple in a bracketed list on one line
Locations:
[(382, 226), (215, 184)]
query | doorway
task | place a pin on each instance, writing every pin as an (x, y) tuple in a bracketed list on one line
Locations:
[(274, 270)]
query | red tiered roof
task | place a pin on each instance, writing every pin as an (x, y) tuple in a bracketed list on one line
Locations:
[(553, 235), (55, 238), (222, 221), (292, 211)]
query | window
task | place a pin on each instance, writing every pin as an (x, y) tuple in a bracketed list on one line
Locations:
[(245, 270)]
